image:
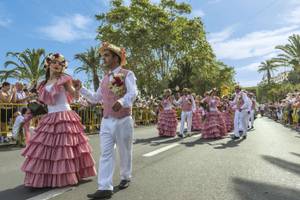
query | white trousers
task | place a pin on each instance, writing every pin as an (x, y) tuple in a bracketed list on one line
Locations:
[(251, 118), (113, 132), (186, 116), (240, 122), (279, 115)]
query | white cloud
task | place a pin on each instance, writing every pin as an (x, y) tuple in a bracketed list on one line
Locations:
[(249, 67), (221, 36), (4, 22), (255, 44), (69, 28), (271, 55)]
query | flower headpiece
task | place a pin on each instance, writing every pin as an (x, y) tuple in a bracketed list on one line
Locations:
[(237, 87), (168, 90), (121, 52), (55, 57)]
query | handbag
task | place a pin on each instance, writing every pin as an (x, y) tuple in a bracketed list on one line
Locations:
[(37, 108)]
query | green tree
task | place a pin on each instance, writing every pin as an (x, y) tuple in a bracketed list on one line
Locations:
[(163, 45), (90, 64), (27, 66), (294, 76), (290, 55), (268, 67)]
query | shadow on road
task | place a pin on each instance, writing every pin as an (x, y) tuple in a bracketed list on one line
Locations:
[(286, 165), (250, 190), (10, 147), (199, 142), (295, 154), (20, 193), (149, 140), (229, 144), (156, 141)]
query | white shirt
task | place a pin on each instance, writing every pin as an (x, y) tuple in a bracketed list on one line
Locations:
[(20, 95), (61, 103), (126, 101), (17, 125), (180, 101), (168, 107), (250, 104), (247, 102)]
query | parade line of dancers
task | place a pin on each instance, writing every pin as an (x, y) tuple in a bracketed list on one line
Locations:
[(58, 154), (210, 115)]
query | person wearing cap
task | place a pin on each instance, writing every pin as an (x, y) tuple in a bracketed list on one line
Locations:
[(117, 93), (241, 105)]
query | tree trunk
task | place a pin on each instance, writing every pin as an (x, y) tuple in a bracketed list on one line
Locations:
[(269, 77), (95, 80)]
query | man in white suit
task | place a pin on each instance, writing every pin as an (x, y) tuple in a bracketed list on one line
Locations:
[(241, 116)]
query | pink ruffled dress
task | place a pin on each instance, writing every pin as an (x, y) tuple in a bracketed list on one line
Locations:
[(214, 125), (167, 120), (58, 154), (228, 118), (197, 119)]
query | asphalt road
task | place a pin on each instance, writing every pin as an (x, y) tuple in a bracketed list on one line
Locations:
[(264, 166)]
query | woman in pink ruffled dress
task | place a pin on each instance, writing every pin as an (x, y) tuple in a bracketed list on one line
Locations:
[(167, 118), (214, 125), (58, 154), (227, 114), (197, 115)]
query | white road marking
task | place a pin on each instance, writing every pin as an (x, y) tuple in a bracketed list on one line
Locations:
[(160, 150), (51, 194), (195, 136), (166, 148), (165, 140)]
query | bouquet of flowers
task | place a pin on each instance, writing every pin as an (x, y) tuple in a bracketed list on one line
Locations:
[(240, 102), (189, 99), (117, 85)]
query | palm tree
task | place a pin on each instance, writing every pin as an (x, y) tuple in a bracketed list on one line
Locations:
[(291, 53), (268, 67), (91, 62), (28, 66)]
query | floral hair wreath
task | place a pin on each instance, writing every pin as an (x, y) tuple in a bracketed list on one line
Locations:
[(55, 57), (168, 90)]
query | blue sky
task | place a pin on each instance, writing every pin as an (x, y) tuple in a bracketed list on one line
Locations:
[(242, 32)]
